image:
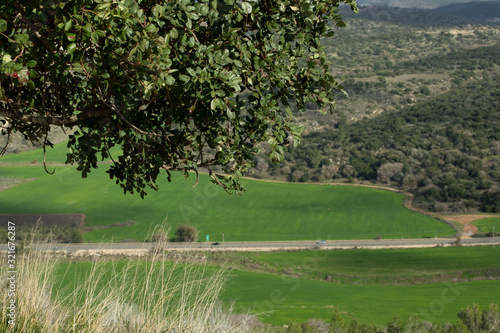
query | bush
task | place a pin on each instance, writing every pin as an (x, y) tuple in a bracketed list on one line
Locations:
[(487, 234), (76, 235), (186, 233), (3, 236), (52, 233)]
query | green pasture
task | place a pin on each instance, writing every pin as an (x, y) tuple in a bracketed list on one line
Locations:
[(53, 155), (267, 211), (379, 266), (487, 224), (278, 299)]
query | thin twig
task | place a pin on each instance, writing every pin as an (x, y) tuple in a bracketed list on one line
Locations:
[(498, 322), (113, 107), (197, 178), (44, 152), (214, 176), (6, 145)]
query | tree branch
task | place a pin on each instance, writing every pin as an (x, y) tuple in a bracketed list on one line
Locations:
[(44, 154)]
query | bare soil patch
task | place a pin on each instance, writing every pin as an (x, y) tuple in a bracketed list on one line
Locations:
[(467, 221), (116, 225), (6, 183), (60, 220)]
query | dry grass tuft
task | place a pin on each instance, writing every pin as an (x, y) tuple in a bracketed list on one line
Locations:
[(153, 295)]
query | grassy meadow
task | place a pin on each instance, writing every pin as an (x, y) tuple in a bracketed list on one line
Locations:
[(267, 211), (375, 267), (278, 299), (486, 225)]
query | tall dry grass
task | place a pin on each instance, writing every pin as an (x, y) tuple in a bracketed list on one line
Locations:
[(148, 295)]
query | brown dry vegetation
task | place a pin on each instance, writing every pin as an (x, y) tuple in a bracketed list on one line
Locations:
[(60, 220)]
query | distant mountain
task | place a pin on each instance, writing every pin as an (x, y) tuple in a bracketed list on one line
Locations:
[(489, 11), (429, 4), (414, 17), (473, 13)]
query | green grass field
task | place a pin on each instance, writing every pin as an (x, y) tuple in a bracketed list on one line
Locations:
[(267, 211), (486, 225), (413, 266), (279, 299), (53, 155)]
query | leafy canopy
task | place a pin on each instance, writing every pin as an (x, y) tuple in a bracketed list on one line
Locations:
[(178, 85)]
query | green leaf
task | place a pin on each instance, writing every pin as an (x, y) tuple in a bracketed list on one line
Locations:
[(216, 103), (77, 67), (184, 78), (94, 37), (150, 28), (3, 25), (204, 10), (247, 7), (169, 80), (103, 6), (71, 48), (22, 38), (33, 74), (174, 33), (276, 157), (68, 25), (71, 37), (17, 67), (31, 63)]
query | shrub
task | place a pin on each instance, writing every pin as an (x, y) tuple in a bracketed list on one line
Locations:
[(76, 235), (3, 236), (186, 233)]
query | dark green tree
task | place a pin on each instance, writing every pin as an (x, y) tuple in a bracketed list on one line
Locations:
[(186, 233), (178, 85)]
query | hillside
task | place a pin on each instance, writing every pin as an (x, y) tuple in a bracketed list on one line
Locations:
[(415, 3), (444, 149), (414, 17), (484, 12), (392, 71)]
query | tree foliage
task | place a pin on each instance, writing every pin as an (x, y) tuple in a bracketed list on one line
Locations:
[(178, 85)]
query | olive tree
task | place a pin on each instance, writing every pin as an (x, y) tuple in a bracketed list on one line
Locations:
[(178, 85)]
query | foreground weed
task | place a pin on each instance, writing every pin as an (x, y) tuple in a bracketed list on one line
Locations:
[(150, 295)]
